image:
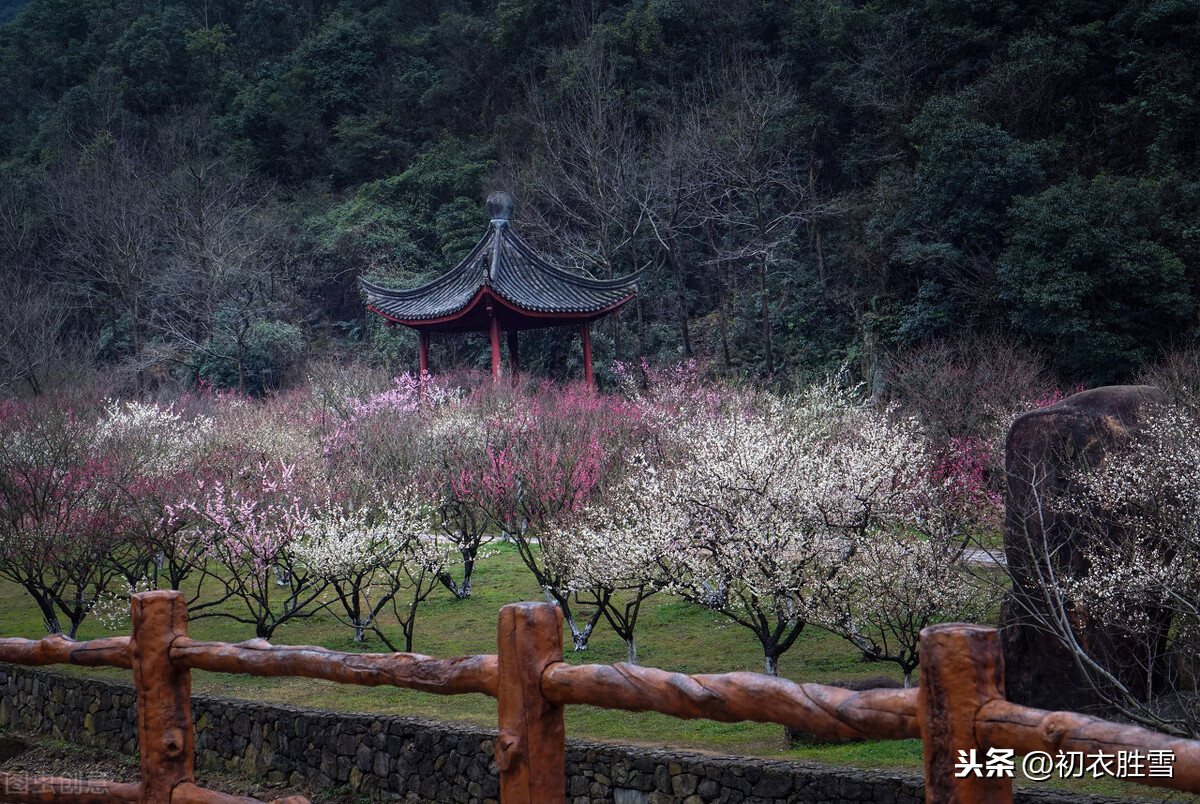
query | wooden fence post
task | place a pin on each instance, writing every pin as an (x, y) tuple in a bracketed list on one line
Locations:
[(531, 747), (165, 738), (962, 668)]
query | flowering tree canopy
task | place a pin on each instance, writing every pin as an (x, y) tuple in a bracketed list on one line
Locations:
[(251, 529), (61, 510), (1138, 515), (359, 555), (545, 455)]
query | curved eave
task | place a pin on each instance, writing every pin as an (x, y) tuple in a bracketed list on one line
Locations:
[(453, 275), (503, 267), (581, 315), (590, 283), (513, 316)]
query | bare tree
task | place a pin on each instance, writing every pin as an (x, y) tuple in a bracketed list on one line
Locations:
[(20, 224), (34, 350), (230, 264), (674, 188), (107, 237), (754, 187), (584, 182)]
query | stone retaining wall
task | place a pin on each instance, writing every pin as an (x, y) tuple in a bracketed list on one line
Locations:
[(394, 757)]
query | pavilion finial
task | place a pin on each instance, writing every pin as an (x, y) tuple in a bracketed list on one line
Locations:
[(500, 205)]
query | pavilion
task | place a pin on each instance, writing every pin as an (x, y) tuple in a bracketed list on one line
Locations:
[(502, 285)]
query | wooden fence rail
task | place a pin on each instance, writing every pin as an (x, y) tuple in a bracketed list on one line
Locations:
[(959, 706)]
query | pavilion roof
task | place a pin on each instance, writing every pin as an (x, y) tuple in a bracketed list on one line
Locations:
[(504, 268)]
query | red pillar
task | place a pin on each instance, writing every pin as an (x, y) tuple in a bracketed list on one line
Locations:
[(495, 333), (424, 350), (585, 335), (514, 362)]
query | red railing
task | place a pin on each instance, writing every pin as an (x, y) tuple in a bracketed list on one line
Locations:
[(959, 706)]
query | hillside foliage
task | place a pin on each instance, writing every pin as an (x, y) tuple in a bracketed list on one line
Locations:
[(189, 190)]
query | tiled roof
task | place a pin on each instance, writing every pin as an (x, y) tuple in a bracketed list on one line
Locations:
[(509, 267)]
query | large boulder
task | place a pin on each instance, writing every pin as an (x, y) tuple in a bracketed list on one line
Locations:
[(1044, 448)]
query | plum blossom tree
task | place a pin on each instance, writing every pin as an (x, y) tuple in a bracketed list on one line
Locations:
[(546, 454), (250, 530), (741, 543), (164, 452), (61, 514), (1137, 514), (453, 460), (963, 502), (760, 503), (609, 554), (423, 430), (361, 555), (422, 563), (896, 584), (905, 513), (375, 431)]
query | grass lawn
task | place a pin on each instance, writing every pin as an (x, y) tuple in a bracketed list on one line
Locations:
[(672, 634)]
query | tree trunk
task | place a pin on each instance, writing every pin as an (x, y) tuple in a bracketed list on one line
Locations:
[(722, 322), (466, 584), (681, 299), (460, 591), (631, 649), (78, 613), (49, 618), (579, 636), (820, 253), (766, 315), (616, 336), (137, 351), (641, 335), (772, 664), (812, 193)]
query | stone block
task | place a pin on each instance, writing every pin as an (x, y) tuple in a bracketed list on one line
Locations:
[(684, 784), (773, 785)]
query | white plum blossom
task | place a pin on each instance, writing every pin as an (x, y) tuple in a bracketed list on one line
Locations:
[(895, 584), (753, 505), (612, 554), (1136, 517), (112, 608), (160, 436), (339, 544), (370, 556)]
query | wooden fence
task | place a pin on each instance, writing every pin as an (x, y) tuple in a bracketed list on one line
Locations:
[(959, 706)]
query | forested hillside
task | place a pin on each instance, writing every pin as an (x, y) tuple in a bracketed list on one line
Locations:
[(189, 190)]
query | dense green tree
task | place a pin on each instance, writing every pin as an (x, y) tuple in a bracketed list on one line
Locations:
[(152, 56), (1086, 275)]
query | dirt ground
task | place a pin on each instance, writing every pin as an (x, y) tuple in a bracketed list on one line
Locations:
[(40, 756)]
